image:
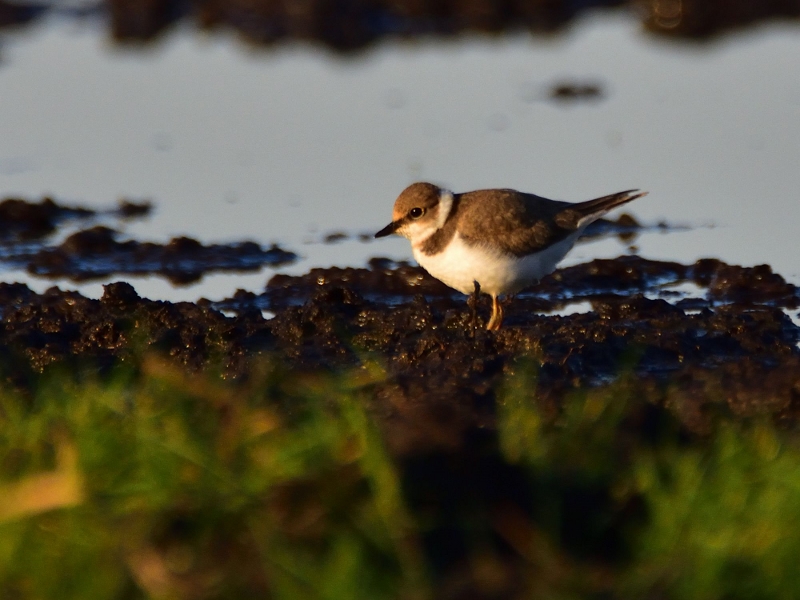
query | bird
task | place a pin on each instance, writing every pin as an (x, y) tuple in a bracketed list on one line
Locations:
[(496, 241)]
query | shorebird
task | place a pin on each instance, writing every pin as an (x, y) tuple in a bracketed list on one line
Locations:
[(496, 241)]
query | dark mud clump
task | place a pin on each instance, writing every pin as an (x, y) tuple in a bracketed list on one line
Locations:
[(574, 91), (351, 26), (700, 19), (21, 219), (97, 253)]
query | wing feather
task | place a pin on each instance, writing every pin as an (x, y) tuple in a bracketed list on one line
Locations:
[(521, 224)]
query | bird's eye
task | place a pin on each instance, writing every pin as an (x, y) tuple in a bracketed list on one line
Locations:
[(416, 213)]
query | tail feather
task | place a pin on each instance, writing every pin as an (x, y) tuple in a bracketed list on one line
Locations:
[(581, 214)]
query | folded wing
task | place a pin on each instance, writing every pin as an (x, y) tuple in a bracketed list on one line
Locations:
[(522, 223)]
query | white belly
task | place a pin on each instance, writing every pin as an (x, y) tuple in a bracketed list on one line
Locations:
[(459, 265)]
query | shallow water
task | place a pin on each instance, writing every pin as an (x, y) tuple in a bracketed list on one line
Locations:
[(291, 144)]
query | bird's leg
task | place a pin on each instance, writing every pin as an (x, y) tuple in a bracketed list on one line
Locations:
[(497, 315), (472, 303)]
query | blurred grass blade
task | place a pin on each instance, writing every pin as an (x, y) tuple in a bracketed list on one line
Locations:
[(43, 492)]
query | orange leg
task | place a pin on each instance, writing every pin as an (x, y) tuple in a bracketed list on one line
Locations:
[(497, 315)]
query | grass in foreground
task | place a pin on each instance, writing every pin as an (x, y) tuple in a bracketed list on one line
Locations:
[(155, 484)]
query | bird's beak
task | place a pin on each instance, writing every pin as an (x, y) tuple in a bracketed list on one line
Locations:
[(389, 229)]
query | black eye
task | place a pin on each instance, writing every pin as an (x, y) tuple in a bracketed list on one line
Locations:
[(416, 213)]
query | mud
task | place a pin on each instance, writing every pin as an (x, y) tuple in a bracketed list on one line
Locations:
[(349, 26), (709, 329), (96, 252), (720, 345), (573, 91), (24, 220), (355, 25), (702, 19)]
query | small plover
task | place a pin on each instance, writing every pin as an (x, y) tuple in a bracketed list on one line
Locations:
[(496, 241)]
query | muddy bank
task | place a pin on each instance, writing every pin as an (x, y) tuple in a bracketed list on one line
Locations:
[(731, 345), (95, 250), (719, 331), (348, 26)]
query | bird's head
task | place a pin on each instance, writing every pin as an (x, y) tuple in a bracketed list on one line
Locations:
[(419, 212)]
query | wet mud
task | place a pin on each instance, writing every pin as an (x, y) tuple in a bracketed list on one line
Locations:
[(349, 26), (702, 19), (25, 220), (716, 330), (724, 343), (667, 323), (96, 252)]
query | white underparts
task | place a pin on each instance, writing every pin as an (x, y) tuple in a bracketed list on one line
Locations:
[(460, 264)]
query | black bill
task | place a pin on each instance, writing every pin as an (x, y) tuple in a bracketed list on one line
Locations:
[(389, 229)]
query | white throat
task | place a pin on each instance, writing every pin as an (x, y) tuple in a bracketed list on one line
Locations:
[(445, 206), (419, 231)]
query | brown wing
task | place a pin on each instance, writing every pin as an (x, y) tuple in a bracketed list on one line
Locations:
[(516, 222), (522, 223)]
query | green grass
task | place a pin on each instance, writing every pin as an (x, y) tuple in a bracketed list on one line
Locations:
[(155, 484), (724, 518)]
